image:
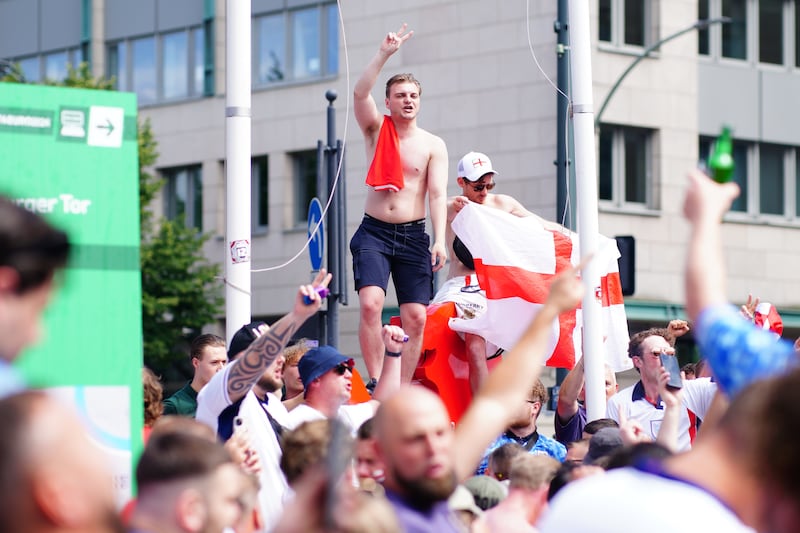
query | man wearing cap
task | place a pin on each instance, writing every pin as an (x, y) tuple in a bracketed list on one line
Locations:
[(244, 392), (408, 163), (476, 178), (327, 374), (207, 355)]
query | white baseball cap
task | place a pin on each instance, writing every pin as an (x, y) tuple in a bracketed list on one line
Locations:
[(474, 165)]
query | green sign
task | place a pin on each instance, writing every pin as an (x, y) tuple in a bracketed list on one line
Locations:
[(71, 156)]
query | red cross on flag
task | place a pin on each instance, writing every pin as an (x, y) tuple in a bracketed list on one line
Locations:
[(515, 261)]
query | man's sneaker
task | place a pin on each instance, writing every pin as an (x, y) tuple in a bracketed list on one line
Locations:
[(371, 384)]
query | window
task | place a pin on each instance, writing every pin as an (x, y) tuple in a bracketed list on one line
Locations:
[(624, 22), (55, 66), (770, 31), (305, 169), (734, 34), (51, 65), (296, 45), (624, 165), (260, 193), (183, 195), (702, 33), (771, 179), (163, 67)]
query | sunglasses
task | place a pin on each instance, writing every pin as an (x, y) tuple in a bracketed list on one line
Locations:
[(478, 188), (341, 368)]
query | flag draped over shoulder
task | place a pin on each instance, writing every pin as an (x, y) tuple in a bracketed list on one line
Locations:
[(515, 261)]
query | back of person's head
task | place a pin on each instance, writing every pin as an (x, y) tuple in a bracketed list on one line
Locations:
[(602, 444), (183, 424), (201, 342), (178, 456), (567, 473), (635, 454), (539, 393), (294, 352), (309, 443), (366, 430), (596, 425), (500, 460), (153, 394), (30, 246), (532, 472)]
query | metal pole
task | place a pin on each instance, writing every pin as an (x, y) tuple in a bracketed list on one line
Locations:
[(588, 225), (332, 317), (237, 168), (341, 205)]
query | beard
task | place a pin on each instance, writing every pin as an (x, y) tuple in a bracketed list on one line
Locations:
[(423, 492), (270, 383)]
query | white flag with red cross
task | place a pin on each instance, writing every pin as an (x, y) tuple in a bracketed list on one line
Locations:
[(515, 261)]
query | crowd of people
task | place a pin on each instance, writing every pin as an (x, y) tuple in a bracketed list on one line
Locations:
[(264, 437)]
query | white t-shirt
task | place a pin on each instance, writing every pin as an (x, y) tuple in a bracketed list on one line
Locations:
[(351, 415), (628, 500), (697, 395), (213, 399)]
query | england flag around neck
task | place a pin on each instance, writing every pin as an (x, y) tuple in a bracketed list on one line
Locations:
[(515, 261)]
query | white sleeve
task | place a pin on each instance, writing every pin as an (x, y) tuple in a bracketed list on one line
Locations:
[(698, 394), (213, 398)]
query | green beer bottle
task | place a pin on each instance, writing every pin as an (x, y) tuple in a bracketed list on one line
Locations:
[(721, 161)]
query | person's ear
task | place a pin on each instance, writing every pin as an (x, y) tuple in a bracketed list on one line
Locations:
[(9, 279), (190, 510)]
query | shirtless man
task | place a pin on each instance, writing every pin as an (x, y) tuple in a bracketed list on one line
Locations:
[(392, 238), (476, 179)]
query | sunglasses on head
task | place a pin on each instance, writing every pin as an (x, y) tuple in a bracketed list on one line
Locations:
[(488, 186), (341, 368)]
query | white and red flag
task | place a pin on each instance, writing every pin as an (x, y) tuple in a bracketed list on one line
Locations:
[(515, 261)]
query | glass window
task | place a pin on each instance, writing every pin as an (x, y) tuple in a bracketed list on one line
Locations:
[(332, 48), (30, 69), (635, 22), (271, 52), (606, 165), (305, 180), (702, 34), (306, 43), (604, 20), (198, 62), (55, 66), (740, 176), (117, 63), (770, 31), (771, 174), (260, 192), (175, 51), (184, 195), (734, 34), (624, 165), (635, 165), (143, 57)]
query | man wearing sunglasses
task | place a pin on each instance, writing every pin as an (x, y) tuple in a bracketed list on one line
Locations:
[(327, 377), (476, 178)]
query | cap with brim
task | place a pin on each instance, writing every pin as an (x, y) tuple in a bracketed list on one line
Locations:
[(317, 361), (486, 491), (474, 166), (242, 338), (603, 443), (462, 500)]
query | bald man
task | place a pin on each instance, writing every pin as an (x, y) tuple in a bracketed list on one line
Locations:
[(52, 480), (425, 457)]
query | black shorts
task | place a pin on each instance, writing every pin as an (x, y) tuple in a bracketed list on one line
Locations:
[(380, 248)]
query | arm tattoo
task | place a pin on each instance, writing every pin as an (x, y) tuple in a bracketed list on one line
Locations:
[(259, 355)]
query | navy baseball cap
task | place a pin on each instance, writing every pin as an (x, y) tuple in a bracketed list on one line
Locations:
[(319, 360), (242, 338)]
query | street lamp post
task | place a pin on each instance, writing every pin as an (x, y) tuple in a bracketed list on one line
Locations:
[(699, 25)]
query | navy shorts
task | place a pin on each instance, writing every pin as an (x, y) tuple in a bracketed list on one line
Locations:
[(380, 248)]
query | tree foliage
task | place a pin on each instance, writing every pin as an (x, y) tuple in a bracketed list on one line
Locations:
[(180, 291)]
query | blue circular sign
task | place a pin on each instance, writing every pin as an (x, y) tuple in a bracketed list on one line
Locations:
[(316, 245)]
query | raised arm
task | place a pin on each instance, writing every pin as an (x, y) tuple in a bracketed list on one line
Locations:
[(437, 202), (366, 111), (249, 367), (511, 380), (568, 393)]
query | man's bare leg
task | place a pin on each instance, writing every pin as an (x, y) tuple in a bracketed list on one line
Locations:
[(413, 316), (371, 299), (475, 347)]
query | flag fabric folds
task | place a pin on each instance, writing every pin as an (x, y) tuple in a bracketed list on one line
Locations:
[(515, 261)]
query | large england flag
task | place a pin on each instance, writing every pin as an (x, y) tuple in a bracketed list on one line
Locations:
[(515, 261)]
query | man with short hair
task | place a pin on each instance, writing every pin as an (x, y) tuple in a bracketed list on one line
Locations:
[(425, 457), (187, 483), (31, 252), (245, 391), (51, 480), (642, 401), (407, 163), (327, 376), (527, 496), (207, 354), (570, 416), (522, 430), (475, 177)]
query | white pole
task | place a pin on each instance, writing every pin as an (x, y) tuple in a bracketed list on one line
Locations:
[(588, 226), (237, 157)]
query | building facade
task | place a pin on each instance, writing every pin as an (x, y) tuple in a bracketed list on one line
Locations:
[(486, 69)]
